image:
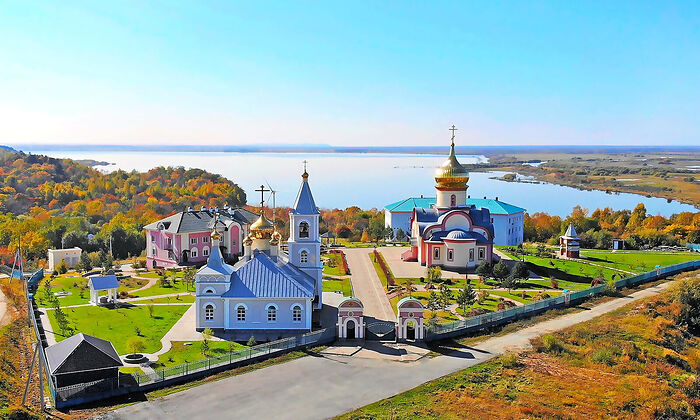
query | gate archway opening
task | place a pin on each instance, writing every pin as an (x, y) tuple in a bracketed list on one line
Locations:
[(350, 328)]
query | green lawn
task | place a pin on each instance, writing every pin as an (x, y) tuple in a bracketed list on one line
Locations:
[(332, 285), (180, 353), (517, 296), (577, 275), (173, 299), (637, 261), (118, 325), (71, 283), (157, 289), (333, 265)]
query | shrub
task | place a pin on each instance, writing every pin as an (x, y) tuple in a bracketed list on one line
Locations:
[(604, 356), (550, 344), (251, 341), (688, 295), (382, 264), (509, 360), (62, 268)]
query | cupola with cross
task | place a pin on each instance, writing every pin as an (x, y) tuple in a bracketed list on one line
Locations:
[(451, 180)]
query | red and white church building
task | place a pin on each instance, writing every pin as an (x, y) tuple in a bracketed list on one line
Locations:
[(451, 234)]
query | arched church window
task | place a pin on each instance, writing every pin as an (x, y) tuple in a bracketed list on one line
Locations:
[(436, 253), (296, 313), (453, 201), (240, 313), (209, 312), (304, 257), (303, 230), (271, 313)]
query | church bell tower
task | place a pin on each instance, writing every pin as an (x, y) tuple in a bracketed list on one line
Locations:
[(304, 241)]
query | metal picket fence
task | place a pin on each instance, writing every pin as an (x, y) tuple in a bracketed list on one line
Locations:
[(436, 332), (279, 346)]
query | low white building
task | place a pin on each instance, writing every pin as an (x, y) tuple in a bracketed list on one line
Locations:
[(508, 220), (70, 255)]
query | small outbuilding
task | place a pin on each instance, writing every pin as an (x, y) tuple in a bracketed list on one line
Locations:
[(618, 244), (569, 243), (409, 321), (70, 256), (82, 359), (110, 283), (351, 322)]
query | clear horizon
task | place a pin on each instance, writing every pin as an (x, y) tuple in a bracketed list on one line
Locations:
[(360, 74)]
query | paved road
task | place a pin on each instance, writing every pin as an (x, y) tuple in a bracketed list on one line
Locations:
[(367, 286), (322, 387)]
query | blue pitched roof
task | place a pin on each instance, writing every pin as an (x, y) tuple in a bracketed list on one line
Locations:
[(494, 206), (215, 263), (265, 277), (304, 203), (104, 282)]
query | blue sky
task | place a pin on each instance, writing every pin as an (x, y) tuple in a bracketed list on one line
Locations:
[(350, 73)]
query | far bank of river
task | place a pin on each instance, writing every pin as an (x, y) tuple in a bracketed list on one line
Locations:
[(369, 180)]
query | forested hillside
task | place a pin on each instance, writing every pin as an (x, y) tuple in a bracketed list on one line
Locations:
[(48, 200)]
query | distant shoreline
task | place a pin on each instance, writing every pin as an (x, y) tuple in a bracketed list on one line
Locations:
[(466, 150)]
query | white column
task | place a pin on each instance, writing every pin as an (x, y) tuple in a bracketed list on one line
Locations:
[(340, 327), (309, 304), (227, 313)]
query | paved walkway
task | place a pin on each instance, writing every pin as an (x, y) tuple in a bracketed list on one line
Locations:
[(323, 387), (367, 286)]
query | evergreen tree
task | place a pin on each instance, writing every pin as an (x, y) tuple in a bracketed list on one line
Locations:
[(434, 302), (484, 270), (500, 271), (466, 297), (445, 296), (85, 263)]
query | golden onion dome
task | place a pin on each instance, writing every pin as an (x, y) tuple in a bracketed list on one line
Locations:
[(451, 174), (262, 228), (215, 235)]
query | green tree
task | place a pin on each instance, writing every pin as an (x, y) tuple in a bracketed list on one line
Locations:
[(188, 277), (520, 271), (85, 263), (485, 270), (445, 296), (500, 271), (62, 267), (408, 288), (434, 302), (433, 274), (135, 344), (206, 336), (251, 341), (400, 235), (465, 297), (150, 309), (509, 283)]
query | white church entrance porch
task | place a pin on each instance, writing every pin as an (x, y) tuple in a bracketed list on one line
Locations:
[(409, 321)]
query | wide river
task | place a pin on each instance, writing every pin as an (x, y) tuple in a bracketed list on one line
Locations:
[(368, 180)]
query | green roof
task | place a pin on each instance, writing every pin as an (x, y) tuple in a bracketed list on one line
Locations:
[(494, 206)]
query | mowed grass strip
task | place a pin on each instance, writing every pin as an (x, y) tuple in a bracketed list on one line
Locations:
[(639, 261), (343, 286), (181, 353), (118, 325)]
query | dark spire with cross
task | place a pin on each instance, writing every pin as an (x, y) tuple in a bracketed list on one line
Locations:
[(262, 190), (305, 175), (453, 129)]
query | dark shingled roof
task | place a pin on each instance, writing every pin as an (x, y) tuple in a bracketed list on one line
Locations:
[(202, 220), (80, 353)]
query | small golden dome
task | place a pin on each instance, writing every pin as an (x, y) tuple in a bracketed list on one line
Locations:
[(451, 174), (261, 228), (215, 235)]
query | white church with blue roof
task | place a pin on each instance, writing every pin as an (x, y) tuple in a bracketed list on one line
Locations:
[(269, 293)]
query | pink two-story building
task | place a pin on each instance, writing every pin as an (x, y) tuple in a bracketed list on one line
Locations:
[(184, 238)]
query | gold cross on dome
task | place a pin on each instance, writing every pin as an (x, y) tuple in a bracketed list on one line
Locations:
[(453, 129), (262, 192)]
